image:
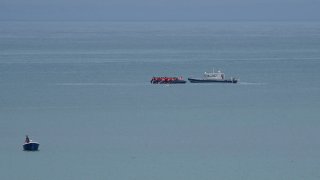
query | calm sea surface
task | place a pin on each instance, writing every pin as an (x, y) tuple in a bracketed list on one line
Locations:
[(82, 90)]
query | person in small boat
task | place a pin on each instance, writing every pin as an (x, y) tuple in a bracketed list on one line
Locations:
[(27, 139)]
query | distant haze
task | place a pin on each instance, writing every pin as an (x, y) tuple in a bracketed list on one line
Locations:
[(144, 10)]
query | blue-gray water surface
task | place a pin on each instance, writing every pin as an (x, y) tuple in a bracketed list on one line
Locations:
[(82, 90)]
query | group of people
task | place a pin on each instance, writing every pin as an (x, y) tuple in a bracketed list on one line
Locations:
[(164, 80)]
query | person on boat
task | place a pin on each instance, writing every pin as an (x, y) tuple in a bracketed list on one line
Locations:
[(27, 139)]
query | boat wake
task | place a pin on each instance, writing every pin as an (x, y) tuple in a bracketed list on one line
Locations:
[(137, 84), (251, 83)]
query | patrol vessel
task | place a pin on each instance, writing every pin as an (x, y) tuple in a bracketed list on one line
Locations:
[(213, 77)]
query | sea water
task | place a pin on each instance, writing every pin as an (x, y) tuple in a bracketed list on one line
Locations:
[(82, 90)]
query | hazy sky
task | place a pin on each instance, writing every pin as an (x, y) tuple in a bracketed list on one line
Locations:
[(160, 10)]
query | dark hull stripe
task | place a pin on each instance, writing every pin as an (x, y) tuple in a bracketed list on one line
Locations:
[(212, 81)]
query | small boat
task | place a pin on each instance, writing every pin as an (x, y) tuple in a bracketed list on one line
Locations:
[(167, 80), (213, 77), (29, 145)]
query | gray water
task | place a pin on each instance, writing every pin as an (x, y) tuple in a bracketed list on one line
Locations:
[(82, 90)]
